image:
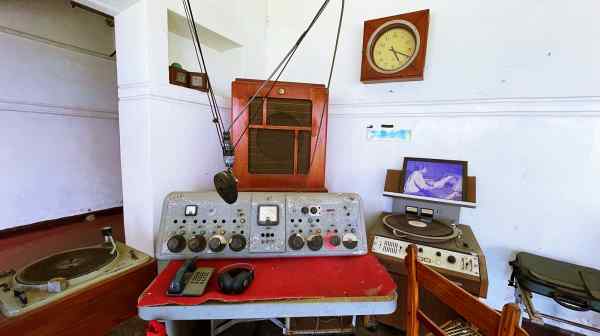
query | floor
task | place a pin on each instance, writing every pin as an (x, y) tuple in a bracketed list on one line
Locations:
[(136, 327)]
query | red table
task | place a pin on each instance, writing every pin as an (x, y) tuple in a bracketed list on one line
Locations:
[(282, 287)]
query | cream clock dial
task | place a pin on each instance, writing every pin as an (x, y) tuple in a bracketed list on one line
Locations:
[(393, 46)]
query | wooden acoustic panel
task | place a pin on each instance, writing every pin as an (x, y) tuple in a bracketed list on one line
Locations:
[(90, 312), (277, 136)]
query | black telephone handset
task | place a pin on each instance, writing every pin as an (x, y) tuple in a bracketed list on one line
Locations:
[(178, 283)]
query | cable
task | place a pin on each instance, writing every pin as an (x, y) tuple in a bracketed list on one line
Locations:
[(216, 114), (212, 102), (337, 40), (284, 60), (276, 80), (217, 119)]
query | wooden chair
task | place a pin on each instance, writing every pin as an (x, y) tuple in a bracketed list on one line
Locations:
[(487, 320)]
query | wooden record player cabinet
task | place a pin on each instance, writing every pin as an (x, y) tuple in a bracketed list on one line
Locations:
[(277, 136), (430, 305)]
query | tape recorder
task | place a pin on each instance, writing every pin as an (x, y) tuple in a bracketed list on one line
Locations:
[(261, 224)]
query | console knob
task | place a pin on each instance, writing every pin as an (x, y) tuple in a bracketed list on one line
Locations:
[(335, 240), (315, 242), (313, 210), (176, 243), (197, 244), (296, 242), (451, 259), (304, 210), (350, 241), (217, 243), (237, 243)]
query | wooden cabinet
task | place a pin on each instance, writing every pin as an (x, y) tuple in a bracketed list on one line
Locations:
[(276, 136)]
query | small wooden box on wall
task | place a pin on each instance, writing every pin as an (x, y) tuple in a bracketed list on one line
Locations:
[(278, 149), (178, 76), (193, 80), (394, 184)]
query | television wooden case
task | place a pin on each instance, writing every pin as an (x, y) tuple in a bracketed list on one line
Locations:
[(277, 136)]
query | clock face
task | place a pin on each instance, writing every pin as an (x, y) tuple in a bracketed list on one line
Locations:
[(393, 47)]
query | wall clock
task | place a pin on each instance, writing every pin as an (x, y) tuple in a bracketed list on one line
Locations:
[(394, 48)]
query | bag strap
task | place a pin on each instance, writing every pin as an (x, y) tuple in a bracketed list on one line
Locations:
[(513, 274)]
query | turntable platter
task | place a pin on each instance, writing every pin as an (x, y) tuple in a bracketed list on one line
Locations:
[(419, 230), (69, 265)]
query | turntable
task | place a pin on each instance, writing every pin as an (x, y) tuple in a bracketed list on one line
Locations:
[(449, 248), (54, 277)]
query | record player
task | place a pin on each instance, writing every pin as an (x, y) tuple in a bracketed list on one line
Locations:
[(452, 250), (52, 278), (449, 248)]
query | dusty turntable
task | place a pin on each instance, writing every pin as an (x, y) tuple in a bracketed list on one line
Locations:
[(419, 229), (452, 250), (56, 276)]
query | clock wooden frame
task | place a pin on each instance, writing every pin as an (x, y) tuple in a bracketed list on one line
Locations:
[(412, 72)]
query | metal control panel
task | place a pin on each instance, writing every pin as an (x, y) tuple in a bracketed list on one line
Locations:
[(431, 256), (261, 225)]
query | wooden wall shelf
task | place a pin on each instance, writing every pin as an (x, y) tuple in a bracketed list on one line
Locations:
[(394, 185)]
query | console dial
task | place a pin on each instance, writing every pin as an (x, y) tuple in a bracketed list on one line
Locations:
[(176, 243), (315, 242), (335, 240), (296, 242), (217, 243), (350, 241), (197, 244), (237, 243)]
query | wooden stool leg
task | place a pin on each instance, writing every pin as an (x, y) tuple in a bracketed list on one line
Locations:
[(412, 294), (509, 319)]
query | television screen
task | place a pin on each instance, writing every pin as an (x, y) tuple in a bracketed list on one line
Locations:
[(443, 179)]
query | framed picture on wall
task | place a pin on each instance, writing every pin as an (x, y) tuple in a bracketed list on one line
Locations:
[(443, 179)]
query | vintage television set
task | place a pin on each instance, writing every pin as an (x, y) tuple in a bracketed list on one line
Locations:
[(278, 135)]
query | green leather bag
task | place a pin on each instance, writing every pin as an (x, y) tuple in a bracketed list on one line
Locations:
[(572, 286)]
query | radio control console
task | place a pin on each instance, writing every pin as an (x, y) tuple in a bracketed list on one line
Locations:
[(261, 225)]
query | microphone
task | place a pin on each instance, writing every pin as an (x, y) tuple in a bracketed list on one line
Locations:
[(226, 185), (225, 182)]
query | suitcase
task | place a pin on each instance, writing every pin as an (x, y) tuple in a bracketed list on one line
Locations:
[(572, 286)]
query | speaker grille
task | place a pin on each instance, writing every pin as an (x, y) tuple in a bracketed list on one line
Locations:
[(289, 112), (256, 111), (303, 152), (271, 151)]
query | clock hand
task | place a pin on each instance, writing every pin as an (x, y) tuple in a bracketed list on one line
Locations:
[(392, 50), (398, 52)]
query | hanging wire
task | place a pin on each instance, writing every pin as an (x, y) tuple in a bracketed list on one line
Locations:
[(278, 71), (280, 68), (212, 101), (337, 41)]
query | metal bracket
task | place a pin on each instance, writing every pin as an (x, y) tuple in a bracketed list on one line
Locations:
[(216, 327), (524, 297)]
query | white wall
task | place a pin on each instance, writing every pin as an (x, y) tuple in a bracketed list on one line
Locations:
[(475, 49), (167, 139), (510, 86), (59, 137)]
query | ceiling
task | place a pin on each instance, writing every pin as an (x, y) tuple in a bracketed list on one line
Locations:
[(111, 7)]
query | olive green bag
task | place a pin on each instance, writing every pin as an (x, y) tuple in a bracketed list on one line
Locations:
[(572, 286)]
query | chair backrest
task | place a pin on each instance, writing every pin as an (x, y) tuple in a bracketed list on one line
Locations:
[(488, 321)]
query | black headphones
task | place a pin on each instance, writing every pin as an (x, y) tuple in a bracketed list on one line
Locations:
[(235, 278)]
